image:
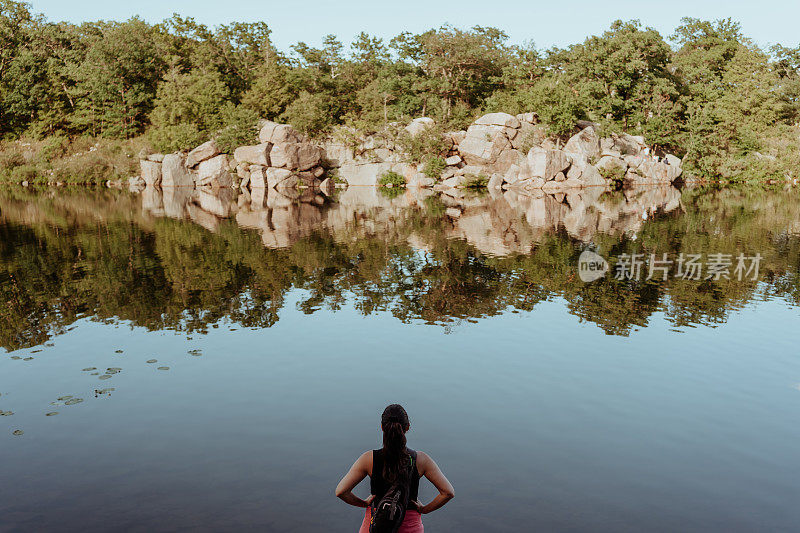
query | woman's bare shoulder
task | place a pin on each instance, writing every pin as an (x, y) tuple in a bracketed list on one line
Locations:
[(423, 461)]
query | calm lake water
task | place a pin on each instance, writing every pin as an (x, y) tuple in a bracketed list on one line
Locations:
[(179, 362)]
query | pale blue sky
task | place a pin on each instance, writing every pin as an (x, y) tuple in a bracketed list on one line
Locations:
[(547, 23)]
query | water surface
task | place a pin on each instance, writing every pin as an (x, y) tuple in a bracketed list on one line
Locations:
[(217, 362)]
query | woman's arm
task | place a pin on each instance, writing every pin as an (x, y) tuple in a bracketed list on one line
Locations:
[(434, 474), (358, 472)]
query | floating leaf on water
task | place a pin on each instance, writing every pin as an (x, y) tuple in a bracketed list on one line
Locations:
[(52, 413), (196, 353), (6, 413), (28, 359), (105, 391), (118, 351), (105, 376), (49, 344), (73, 401), (16, 357), (113, 370), (65, 398), (17, 432), (151, 361), (163, 368), (35, 351), (95, 374), (89, 369)]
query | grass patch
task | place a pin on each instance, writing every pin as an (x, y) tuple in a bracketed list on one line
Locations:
[(392, 179)]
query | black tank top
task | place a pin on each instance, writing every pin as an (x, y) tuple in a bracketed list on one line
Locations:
[(379, 486)]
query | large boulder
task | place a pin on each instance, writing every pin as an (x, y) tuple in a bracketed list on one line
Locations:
[(590, 177), (363, 173), (585, 144), (610, 165), (418, 125), (275, 133), (151, 172), (254, 155), (481, 147), (336, 153), (499, 119), (214, 172), (657, 172), (174, 172), (308, 156), (205, 151), (296, 156), (622, 144), (546, 163)]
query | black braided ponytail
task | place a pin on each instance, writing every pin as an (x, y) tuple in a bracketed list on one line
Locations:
[(394, 423)]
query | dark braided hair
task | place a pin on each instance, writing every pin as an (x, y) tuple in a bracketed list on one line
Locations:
[(394, 423)]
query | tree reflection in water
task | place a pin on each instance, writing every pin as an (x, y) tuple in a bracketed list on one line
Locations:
[(178, 259)]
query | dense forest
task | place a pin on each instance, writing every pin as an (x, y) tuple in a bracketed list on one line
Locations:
[(707, 92)]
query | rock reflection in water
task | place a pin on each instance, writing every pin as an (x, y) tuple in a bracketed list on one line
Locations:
[(495, 223)]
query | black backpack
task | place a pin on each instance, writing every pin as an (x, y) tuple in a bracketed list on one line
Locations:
[(388, 513)]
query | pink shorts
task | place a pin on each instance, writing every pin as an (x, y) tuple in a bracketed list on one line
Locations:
[(412, 523)]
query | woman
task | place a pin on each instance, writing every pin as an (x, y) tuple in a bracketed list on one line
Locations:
[(390, 465)]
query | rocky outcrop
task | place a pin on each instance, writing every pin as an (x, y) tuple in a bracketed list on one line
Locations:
[(504, 151)]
